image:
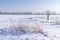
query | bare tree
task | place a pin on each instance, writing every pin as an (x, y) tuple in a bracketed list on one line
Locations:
[(48, 14)]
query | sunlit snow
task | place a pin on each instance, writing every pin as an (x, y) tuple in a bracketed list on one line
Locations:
[(29, 27)]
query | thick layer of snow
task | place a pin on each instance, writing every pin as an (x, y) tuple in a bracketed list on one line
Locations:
[(50, 29)]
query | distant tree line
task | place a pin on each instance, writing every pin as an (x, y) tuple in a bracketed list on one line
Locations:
[(28, 13)]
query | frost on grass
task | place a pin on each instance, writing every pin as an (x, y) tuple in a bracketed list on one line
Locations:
[(26, 27)]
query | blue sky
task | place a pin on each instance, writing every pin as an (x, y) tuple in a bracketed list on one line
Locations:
[(29, 5)]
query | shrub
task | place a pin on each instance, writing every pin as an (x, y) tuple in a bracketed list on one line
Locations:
[(27, 27)]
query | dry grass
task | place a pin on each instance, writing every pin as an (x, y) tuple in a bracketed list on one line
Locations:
[(27, 27)]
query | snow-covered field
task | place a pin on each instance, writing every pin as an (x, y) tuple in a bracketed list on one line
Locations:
[(29, 27)]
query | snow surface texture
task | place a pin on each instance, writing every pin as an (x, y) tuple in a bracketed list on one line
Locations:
[(29, 27)]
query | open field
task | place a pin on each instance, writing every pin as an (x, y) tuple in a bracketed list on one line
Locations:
[(29, 27)]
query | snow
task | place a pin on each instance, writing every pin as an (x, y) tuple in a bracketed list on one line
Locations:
[(50, 29)]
